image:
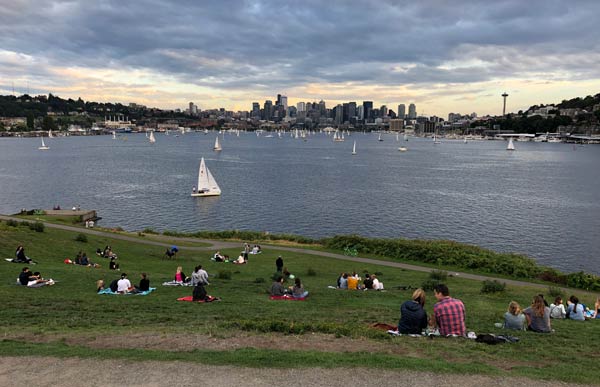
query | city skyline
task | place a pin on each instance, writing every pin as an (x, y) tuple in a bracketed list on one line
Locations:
[(231, 54)]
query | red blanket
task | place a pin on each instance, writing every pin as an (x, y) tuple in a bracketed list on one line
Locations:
[(290, 298)]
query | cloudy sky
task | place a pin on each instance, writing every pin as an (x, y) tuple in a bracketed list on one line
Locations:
[(444, 56)]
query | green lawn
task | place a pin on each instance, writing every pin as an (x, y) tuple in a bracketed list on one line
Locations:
[(72, 307)]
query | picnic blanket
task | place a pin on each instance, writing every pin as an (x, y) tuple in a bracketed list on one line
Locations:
[(289, 298), (191, 299), (108, 291), (176, 283)]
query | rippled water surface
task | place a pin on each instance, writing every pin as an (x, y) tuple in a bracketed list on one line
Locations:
[(541, 199)]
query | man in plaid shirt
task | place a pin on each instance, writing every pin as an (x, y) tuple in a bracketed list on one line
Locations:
[(449, 312)]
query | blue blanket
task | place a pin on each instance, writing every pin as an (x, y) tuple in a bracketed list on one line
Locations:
[(108, 291)]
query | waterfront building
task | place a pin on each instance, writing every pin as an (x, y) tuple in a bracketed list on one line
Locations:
[(255, 110), (301, 106), (367, 110), (268, 110), (396, 125)]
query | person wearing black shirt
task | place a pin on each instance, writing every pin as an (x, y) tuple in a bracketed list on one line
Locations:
[(24, 276), (144, 283)]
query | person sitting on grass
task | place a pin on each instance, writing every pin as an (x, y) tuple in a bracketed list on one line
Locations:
[(449, 312), (112, 265), (277, 288), (200, 294), (180, 276), (538, 316), (218, 257), (199, 276), (240, 260), (298, 290), (144, 285), (20, 256), (343, 281), (575, 310), (597, 308), (99, 286), (376, 284), (557, 310), (352, 282), (124, 286), (368, 282), (86, 262), (36, 281), (413, 318), (514, 318), (24, 276)]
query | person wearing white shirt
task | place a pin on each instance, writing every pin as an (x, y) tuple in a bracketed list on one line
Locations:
[(123, 286), (557, 310)]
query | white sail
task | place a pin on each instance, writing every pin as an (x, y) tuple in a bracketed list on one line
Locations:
[(151, 138), (380, 139), (217, 146), (207, 185), (405, 137), (397, 139), (354, 148), (510, 146), (50, 133), (43, 147), (114, 134)]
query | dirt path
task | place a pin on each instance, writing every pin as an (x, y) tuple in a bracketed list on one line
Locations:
[(49, 371)]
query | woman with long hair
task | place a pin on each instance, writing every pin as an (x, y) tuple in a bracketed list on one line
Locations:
[(538, 316), (413, 318), (575, 309)]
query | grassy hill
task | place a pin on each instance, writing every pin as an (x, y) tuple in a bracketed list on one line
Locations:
[(331, 329)]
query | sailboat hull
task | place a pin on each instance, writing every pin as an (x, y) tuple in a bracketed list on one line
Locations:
[(205, 194)]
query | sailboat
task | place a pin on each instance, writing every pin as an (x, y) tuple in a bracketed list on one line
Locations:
[(50, 133), (207, 186), (397, 137), (380, 139), (43, 147), (217, 146), (405, 137), (510, 145), (151, 138), (435, 140), (114, 134), (354, 148)]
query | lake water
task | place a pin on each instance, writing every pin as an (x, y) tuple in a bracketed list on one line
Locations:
[(541, 200)]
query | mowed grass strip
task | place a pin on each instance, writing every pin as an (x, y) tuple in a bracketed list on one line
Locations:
[(72, 307)]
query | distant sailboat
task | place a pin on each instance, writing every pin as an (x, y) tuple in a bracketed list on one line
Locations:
[(217, 146), (43, 147), (207, 185), (405, 137), (151, 138), (380, 139), (510, 146), (354, 148), (114, 135), (435, 140), (397, 139), (403, 149), (50, 134)]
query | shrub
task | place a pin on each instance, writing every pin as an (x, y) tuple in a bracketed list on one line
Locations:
[(429, 284), (555, 291), (259, 280), (439, 275), (25, 224), (37, 226), (149, 230), (224, 274), (311, 272), (492, 286), (12, 223), (81, 238)]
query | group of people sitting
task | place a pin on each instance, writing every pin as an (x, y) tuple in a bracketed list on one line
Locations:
[(123, 285), (106, 253), (82, 259), (537, 317), (295, 291), (33, 280), (352, 282)]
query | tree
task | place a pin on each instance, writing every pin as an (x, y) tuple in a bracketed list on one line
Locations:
[(48, 123), (30, 120)]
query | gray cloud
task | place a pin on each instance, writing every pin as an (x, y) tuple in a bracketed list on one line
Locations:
[(270, 45)]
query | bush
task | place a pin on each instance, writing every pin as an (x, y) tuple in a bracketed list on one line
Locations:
[(37, 226), (224, 274), (555, 291), (149, 230), (429, 284), (311, 272), (439, 275), (12, 223), (81, 238), (492, 286)]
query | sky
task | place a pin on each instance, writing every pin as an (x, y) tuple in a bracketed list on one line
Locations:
[(444, 56)]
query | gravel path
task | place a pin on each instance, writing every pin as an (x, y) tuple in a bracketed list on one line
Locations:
[(49, 371)]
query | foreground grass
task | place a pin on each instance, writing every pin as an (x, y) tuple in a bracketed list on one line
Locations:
[(72, 308)]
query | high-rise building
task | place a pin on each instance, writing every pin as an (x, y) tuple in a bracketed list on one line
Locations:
[(339, 114), (301, 106), (268, 110), (255, 110), (367, 110), (383, 111), (351, 110), (193, 109), (402, 111), (360, 112), (283, 102), (412, 111)]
